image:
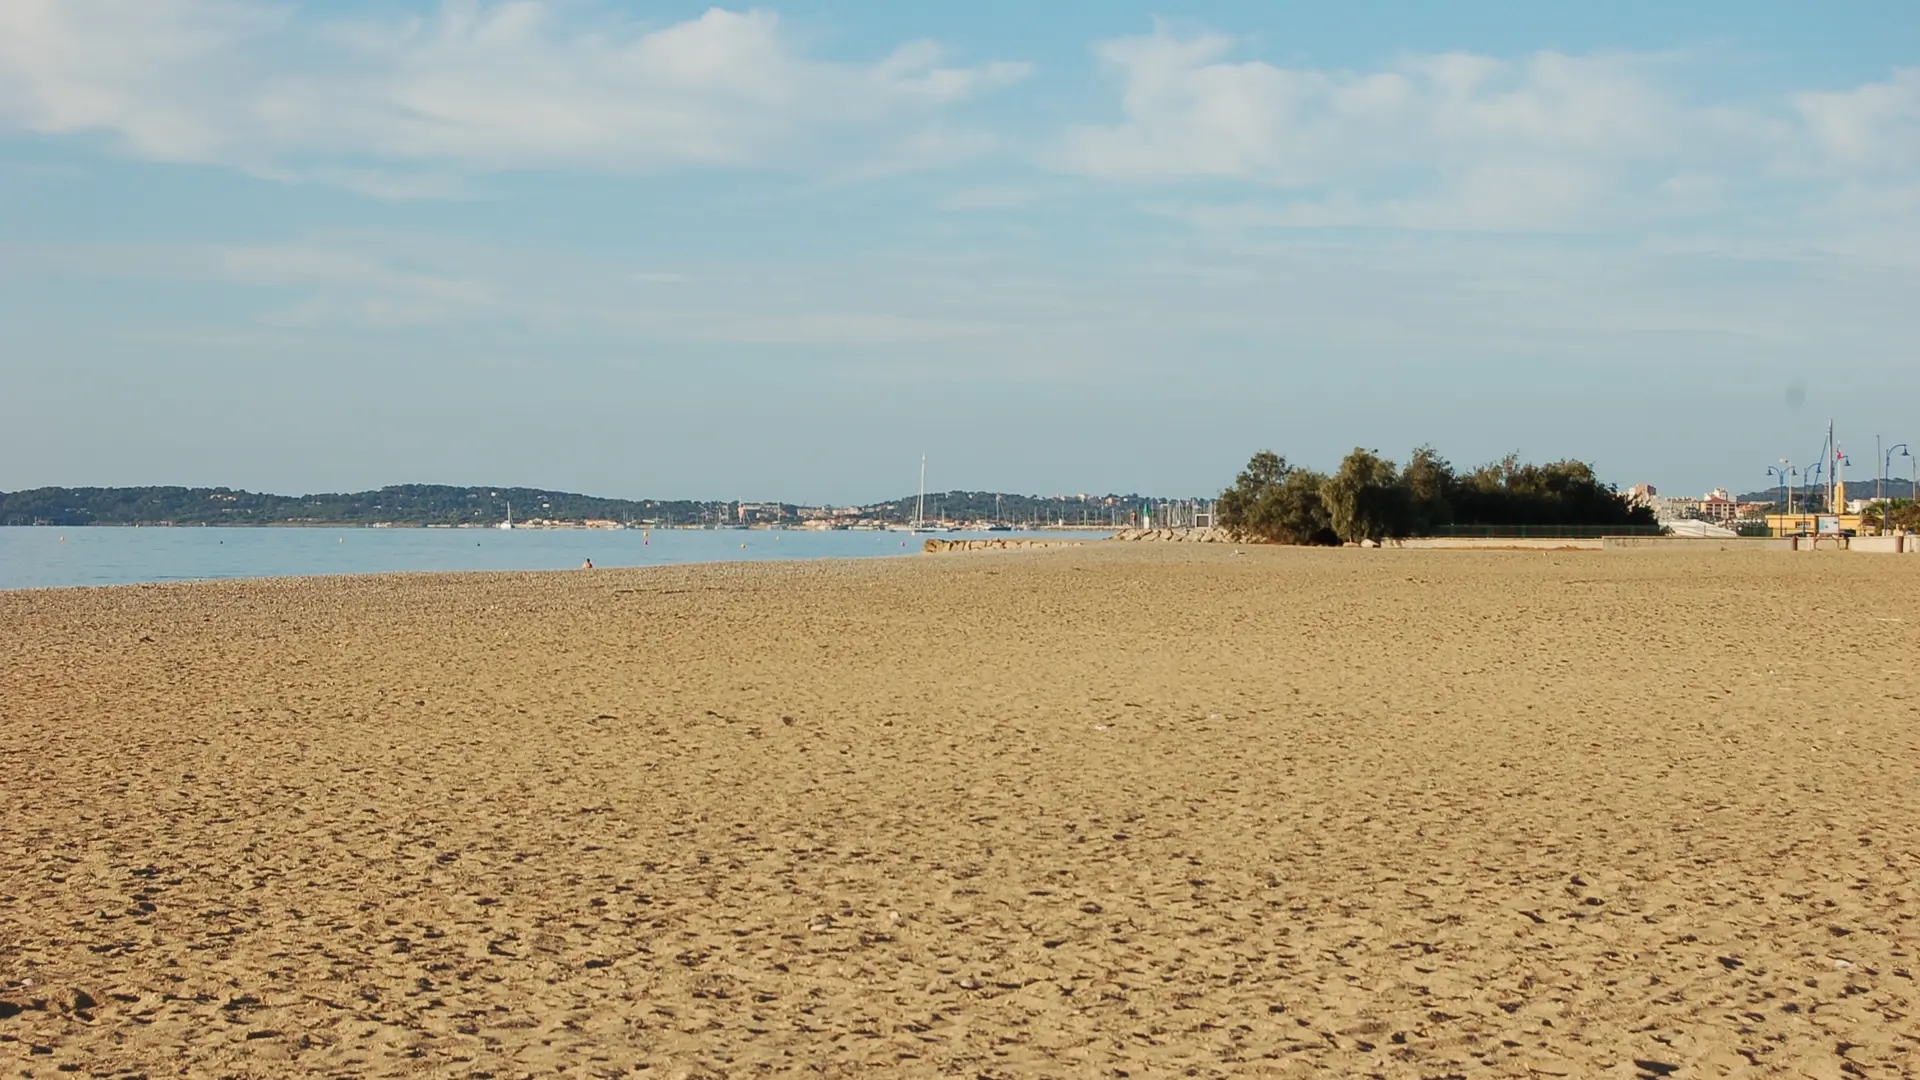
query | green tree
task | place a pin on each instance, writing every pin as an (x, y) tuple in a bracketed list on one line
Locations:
[(1510, 492), (1428, 480), (1277, 502), (1240, 505), (1365, 500), (1369, 499), (1891, 515)]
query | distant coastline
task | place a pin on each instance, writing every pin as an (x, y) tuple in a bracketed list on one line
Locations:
[(324, 523), (446, 506)]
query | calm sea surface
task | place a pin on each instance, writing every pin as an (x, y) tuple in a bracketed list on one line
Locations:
[(33, 558)]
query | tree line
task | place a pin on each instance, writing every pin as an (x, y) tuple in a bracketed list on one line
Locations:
[(1371, 498)]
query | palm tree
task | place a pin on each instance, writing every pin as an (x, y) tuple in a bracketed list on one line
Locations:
[(1893, 514)]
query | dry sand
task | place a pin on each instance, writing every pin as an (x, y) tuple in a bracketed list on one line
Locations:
[(1140, 811)]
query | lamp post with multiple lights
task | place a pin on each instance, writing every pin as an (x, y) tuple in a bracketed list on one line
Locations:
[(1786, 473)]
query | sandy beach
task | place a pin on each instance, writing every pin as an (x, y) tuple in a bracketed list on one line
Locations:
[(1128, 810)]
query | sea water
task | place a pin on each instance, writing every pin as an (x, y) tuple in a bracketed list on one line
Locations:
[(43, 557)]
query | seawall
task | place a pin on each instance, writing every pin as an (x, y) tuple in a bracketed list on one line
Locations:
[(1693, 543), (1873, 545), (1496, 543)]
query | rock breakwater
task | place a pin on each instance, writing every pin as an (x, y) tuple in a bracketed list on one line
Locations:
[(1191, 536), (1006, 544)]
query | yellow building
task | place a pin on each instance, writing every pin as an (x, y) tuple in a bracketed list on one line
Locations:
[(1809, 524), (1805, 524)]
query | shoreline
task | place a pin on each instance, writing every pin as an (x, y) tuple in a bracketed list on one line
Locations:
[(437, 526), (966, 545), (456, 576), (56, 558)]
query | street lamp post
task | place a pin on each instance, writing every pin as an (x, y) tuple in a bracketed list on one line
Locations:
[(1840, 463), (1886, 508), (1786, 481)]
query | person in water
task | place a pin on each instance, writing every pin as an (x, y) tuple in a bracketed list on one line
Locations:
[(588, 565)]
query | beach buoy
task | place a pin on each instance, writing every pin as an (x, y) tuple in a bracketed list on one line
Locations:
[(743, 547)]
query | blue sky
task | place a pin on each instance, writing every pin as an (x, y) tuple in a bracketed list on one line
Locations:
[(671, 250)]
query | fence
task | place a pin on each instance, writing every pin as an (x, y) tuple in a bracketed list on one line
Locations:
[(1182, 513), (1547, 532)]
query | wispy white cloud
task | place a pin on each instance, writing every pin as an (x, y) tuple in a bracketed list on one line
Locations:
[(382, 283), (989, 197), (404, 105), (1873, 127), (1461, 141), (1192, 112), (354, 287)]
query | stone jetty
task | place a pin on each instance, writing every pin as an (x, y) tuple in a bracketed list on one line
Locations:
[(936, 544), (1190, 536)]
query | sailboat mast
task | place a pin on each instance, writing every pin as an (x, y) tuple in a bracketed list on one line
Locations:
[(920, 510)]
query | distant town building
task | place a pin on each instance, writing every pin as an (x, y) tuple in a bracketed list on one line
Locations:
[(1718, 505), (1671, 509)]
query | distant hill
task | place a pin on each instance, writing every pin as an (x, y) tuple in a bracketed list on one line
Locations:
[(439, 504), (1856, 489), (402, 504)]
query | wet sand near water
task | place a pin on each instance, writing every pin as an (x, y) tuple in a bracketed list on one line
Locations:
[(1140, 810)]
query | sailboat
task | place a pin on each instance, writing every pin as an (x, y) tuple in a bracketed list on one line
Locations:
[(919, 522), (998, 524), (920, 509), (508, 524)]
